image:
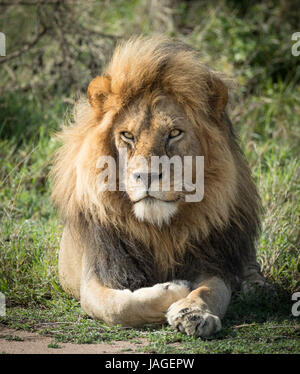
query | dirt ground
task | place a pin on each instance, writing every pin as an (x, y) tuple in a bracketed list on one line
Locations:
[(24, 342)]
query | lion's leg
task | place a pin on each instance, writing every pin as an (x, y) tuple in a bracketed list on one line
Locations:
[(125, 307), (200, 312), (69, 264), (252, 276), (128, 308)]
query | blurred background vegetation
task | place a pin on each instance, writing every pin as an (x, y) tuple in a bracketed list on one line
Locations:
[(54, 48)]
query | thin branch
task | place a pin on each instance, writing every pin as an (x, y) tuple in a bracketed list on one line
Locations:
[(25, 48), (100, 33), (243, 325), (36, 2)]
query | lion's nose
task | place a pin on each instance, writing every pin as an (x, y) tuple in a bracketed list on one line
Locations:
[(147, 178)]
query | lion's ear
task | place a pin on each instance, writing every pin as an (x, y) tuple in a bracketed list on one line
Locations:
[(98, 90), (218, 96)]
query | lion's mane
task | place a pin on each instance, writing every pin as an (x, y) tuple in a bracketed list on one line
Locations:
[(215, 235)]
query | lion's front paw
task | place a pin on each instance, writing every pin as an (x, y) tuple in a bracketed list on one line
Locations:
[(162, 295), (192, 320)]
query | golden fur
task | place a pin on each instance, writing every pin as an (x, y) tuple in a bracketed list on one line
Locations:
[(143, 72)]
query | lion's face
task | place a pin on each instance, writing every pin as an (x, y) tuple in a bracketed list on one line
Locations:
[(154, 135)]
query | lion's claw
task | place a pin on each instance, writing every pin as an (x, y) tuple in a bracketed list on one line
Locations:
[(193, 321)]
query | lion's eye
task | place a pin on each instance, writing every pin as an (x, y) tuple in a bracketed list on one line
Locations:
[(175, 133), (127, 135)]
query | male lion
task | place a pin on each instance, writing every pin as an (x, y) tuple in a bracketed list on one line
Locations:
[(149, 255)]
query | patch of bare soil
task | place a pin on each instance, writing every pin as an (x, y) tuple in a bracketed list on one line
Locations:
[(24, 342)]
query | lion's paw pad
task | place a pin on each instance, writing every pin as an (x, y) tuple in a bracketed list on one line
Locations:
[(193, 321)]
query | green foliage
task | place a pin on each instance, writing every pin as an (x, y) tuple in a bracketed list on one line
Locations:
[(248, 40)]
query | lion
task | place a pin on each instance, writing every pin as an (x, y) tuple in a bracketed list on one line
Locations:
[(142, 255)]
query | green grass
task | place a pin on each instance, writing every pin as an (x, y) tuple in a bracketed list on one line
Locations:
[(253, 325), (266, 116)]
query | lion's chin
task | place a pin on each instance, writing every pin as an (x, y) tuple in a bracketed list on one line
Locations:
[(154, 211)]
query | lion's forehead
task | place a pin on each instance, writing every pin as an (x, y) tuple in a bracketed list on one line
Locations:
[(151, 115)]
